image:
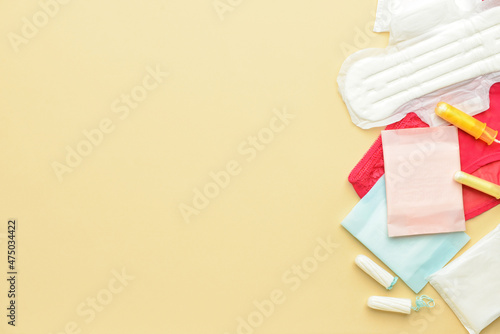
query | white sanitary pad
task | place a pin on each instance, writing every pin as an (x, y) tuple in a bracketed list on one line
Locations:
[(408, 18), (470, 284), (453, 58)]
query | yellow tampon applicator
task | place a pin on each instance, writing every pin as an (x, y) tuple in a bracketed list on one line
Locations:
[(469, 124), (481, 185)]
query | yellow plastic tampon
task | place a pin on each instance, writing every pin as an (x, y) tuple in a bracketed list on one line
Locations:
[(469, 124), (478, 184)]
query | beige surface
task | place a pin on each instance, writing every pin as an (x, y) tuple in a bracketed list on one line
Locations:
[(119, 207)]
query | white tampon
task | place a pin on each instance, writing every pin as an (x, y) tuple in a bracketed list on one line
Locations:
[(400, 305), (376, 272), (390, 304)]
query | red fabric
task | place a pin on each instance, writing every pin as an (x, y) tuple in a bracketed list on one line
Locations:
[(481, 160), (476, 158)]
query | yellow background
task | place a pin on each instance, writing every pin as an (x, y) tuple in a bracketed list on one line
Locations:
[(119, 209)]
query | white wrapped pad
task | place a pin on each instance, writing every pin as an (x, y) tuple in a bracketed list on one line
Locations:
[(409, 17), (471, 283)]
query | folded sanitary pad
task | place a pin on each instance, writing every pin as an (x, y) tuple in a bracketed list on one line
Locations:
[(422, 196), (470, 284)]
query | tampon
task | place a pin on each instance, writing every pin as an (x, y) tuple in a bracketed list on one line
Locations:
[(478, 184), (376, 272), (469, 124), (399, 305)]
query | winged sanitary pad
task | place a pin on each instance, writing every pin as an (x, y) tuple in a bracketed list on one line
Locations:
[(374, 83)]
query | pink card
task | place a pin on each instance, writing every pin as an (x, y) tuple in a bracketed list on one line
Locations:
[(422, 196)]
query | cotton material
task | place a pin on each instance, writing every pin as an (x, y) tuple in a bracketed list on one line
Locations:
[(412, 258), (470, 285), (422, 196)]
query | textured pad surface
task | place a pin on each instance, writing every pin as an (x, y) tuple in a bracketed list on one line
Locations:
[(376, 82)]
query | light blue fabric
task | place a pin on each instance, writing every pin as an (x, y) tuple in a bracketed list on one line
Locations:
[(412, 258)]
